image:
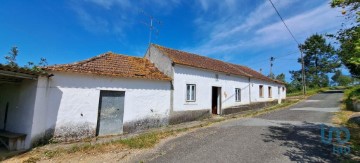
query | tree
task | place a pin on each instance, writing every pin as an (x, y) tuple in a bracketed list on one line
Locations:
[(296, 82), (349, 51), (11, 61), (319, 60), (281, 77), (341, 80), (349, 35), (351, 5), (11, 58)]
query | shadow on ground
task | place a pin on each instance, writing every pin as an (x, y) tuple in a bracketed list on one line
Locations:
[(303, 142)]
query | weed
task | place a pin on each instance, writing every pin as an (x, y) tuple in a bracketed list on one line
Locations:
[(32, 160)]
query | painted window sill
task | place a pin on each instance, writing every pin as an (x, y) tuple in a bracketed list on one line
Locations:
[(190, 103)]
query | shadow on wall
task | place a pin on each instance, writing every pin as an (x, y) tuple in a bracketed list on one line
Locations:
[(233, 94), (52, 104), (303, 143)]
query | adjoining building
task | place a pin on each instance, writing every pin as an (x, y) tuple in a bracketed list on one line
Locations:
[(112, 94), (202, 85), (105, 95)]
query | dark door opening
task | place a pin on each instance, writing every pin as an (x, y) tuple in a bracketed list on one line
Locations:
[(216, 100), (111, 113)]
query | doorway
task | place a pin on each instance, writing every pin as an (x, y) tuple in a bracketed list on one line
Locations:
[(111, 113), (216, 100)]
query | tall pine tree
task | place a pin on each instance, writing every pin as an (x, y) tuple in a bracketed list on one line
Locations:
[(319, 60)]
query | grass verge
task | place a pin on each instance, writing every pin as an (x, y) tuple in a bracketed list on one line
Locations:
[(342, 118), (145, 140), (309, 92)]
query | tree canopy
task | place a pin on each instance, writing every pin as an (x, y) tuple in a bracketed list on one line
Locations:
[(349, 35), (319, 60)]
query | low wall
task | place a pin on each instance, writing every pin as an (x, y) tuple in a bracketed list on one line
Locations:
[(185, 116), (144, 124), (252, 106)]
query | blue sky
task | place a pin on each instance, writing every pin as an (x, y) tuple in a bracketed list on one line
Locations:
[(246, 32)]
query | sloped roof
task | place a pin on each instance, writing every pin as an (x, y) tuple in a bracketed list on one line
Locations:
[(194, 60), (21, 70), (255, 74), (111, 64), (14, 74)]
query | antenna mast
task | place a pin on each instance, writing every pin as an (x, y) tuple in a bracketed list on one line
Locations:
[(271, 66), (151, 24)]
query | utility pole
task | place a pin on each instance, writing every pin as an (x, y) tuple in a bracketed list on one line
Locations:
[(297, 42), (303, 72), (271, 65)]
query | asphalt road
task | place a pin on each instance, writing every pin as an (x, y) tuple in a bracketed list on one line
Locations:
[(291, 135)]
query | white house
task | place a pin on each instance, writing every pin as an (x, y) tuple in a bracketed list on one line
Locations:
[(202, 85), (105, 95), (112, 94)]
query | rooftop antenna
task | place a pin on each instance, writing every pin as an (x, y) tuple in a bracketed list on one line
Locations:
[(271, 66), (152, 22)]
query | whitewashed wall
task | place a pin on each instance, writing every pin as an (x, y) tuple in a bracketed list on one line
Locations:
[(204, 81), (255, 95), (73, 100)]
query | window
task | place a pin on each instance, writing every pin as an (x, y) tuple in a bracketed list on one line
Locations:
[(283, 89), (237, 94), (261, 90), (278, 90), (190, 92), (269, 92)]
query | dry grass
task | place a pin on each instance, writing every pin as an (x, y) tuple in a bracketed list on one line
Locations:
[(145, 140), (342, 118)]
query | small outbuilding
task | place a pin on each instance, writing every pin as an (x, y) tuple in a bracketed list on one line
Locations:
[(108, 94)]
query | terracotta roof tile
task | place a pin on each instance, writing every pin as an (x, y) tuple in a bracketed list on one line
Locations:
[(22, 70), (194, 60), (110, 64), (255, 74)]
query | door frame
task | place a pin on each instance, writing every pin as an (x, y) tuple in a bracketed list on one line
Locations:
[(99, 109), (218, 100)]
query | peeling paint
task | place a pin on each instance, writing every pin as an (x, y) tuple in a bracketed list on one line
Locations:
[(185, 116), (71, 132), (143, 124)]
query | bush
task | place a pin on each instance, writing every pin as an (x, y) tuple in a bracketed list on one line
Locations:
[(352, 94)]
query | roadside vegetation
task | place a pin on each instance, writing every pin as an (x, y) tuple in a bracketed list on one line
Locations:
[(346, 117), (309, 92)]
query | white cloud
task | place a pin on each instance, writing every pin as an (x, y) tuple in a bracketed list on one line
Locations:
[(109, 3), (320, 20), (91, 23), (116, 16), (262, 28), (258, 16)]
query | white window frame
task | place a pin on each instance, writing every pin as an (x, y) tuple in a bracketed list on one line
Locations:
[(192, 93), (237, 94)]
